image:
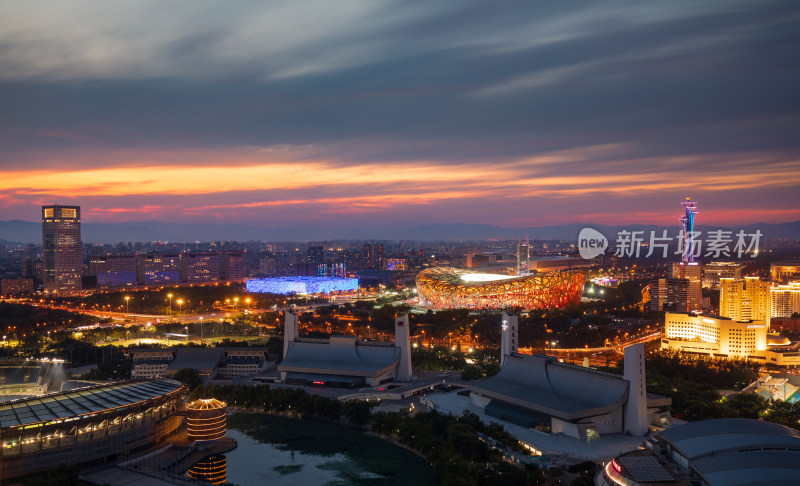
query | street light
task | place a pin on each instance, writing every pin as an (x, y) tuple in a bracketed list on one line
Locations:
[(127, 301), (236, 302), (170, 303), (187, 331), (180, 306), (201, 329)]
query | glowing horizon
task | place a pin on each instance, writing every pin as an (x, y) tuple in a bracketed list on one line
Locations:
[(398, 114)]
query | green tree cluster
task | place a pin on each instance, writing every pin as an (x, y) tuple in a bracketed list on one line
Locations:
[(269, 399), (460, 448), (718, 373)]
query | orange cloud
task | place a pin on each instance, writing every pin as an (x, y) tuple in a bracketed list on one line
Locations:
[(250, 178)]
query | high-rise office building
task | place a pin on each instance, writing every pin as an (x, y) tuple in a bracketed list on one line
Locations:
[(379, 260), (368, 256), (159, 268), (746, 299), (523, 259), (61, 247), (315, 254), (115, 271), (231, 266), (784, 299), (693, 272), (200, 267), (669, 294)]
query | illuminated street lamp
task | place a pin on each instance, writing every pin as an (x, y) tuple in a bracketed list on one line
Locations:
[(170, 303), (180, 306), (187, 332), (127, 301), (236, 302), (201, 329)]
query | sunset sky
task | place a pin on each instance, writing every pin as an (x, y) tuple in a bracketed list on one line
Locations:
[(373, 112)]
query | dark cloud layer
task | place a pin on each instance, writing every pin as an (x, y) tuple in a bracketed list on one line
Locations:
[(394, 82)]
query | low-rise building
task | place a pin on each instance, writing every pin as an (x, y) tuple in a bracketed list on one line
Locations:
[(210, 363), (151, 363), (15, 286)]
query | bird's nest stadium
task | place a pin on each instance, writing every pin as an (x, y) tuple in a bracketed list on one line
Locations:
[(453, 288)]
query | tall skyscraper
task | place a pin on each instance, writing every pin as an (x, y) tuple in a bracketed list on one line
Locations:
[(693, 272), (61, 246), (378, 258), (368, 256), (669, 294), (747, 299), (523, 259)]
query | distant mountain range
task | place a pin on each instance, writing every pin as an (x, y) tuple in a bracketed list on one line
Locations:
[(21, 232)]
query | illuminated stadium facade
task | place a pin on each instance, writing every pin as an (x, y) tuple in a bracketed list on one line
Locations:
[(453, 288), (301, 285)]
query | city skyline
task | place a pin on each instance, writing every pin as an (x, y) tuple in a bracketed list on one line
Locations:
[(400, 113)]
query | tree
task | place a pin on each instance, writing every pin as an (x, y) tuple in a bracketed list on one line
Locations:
[(472, 373), (188, 376)]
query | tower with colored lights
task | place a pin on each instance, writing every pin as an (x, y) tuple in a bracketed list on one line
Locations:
[(690, 210)]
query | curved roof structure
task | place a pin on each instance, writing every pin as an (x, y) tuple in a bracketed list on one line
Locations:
[(451, 288), (340, 355), (84, 401), (738, 451), (206, 404), (560, 390)]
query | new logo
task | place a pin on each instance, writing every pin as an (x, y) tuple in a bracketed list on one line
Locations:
[(591, 243)]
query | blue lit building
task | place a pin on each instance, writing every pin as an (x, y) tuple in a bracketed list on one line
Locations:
[(300, 285)]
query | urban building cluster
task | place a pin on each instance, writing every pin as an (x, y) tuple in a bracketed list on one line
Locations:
[(749, 308), (63, 264)]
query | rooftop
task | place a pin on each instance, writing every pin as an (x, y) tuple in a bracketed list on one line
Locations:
[(543, 384), (82, 401), (340, 355), (197, 358), (738, 451)]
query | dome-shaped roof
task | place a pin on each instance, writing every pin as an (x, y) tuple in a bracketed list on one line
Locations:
[(206, 404)]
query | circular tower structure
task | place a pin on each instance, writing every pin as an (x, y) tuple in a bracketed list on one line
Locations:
[(206, 419)]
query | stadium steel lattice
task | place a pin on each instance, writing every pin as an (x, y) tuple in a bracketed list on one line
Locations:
[(453, 288)]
